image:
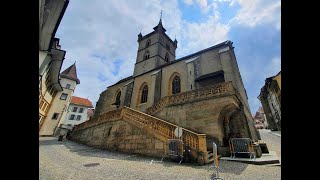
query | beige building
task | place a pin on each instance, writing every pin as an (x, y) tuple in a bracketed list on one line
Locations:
[(270, 97), (203, 93), (50, 54), (58, 110)]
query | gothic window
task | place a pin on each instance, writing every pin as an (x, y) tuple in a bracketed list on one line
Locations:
[(146, 55), (148, 43), (144, 94), (176, 85), (166, 57), (168, 47), (117, 103)]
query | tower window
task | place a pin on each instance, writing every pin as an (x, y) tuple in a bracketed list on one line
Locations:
[(168, 47), (148, 43), (176, 85), (147, 55), (144, 94), (167, 57)]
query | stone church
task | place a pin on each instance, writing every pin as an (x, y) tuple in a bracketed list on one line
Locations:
[(203, 93)]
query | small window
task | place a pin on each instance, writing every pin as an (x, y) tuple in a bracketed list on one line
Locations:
[(55, 116), (78, 118), (148, 43), (68, 86), (80, 110), (74, 109), (144, 94), (147, 55), (168, 47), (64, 96), (167, 57), (71, 117), (191, 86)]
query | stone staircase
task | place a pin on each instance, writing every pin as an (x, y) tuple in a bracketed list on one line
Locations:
[(163, 129), (159, 128)]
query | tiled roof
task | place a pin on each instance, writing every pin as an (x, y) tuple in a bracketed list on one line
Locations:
[(71, 73), (81, 101)]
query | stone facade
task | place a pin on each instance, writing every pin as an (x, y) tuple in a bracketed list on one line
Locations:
[(270, 97), (121, 136), (211, 102)]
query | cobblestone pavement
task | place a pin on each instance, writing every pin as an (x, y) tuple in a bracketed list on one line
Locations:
[(68, 160)]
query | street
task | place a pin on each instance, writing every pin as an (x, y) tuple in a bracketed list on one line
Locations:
[(68, 160)]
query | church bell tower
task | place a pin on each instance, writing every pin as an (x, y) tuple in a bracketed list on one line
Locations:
[(155, 49)]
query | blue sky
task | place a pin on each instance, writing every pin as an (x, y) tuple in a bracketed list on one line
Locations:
[(101, 36)]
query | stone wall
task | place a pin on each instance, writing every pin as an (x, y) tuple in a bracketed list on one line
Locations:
[(121, 136), (200, 116), (107, 97)]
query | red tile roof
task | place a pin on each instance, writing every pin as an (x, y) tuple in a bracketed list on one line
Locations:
[(81, 101)]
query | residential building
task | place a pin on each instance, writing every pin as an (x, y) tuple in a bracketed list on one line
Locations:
[(58, 110), (270, 97), (51, 55), (77, 112)]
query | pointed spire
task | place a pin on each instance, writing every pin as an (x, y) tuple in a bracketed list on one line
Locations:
[(160, 27), (140, 35), (71, 73)]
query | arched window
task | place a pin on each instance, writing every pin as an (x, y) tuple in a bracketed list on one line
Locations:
[(167, 57), (117, 103), (146, 55), (176, 85), (148, 43), (144, 94)]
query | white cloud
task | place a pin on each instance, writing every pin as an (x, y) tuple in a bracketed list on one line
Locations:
[(255, 12), (202, 3), (188, 2), (203, 35), (99, 33)]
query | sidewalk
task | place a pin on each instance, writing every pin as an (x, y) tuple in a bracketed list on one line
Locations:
[(277, 133)]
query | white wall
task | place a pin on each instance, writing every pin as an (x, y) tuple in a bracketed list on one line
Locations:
[(70, 112)]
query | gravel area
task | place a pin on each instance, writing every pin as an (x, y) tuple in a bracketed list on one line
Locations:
[(68, 160)]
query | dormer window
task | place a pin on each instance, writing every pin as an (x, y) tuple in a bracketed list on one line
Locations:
[(146, 55), (148, 43)]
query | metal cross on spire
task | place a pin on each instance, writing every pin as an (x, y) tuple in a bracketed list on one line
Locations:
[(161, 15)]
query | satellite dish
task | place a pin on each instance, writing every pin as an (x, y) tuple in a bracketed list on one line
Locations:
[(178, 132)]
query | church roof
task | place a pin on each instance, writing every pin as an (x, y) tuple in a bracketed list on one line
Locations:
[(81, 101), (71, 73), (160, 27), (180, 59)]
